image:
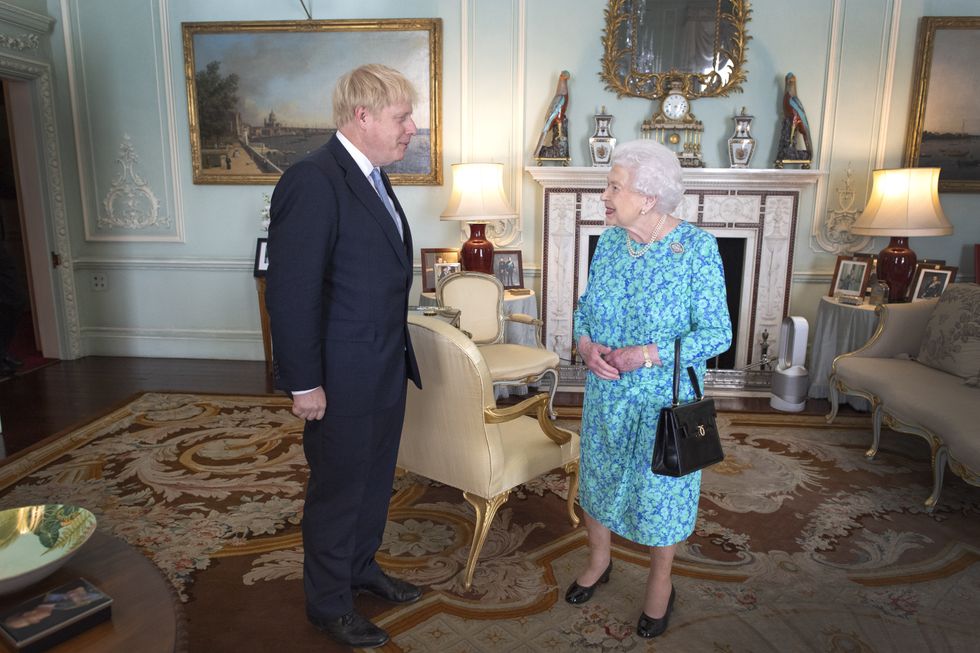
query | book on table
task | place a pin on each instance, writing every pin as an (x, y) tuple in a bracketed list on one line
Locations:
[(54, 616)]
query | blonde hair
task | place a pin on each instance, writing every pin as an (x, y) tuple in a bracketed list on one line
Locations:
[(654, 171), (373, 86)]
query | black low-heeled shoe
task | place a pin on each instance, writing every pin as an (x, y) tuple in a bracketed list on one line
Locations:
[(576, 594), (649, 627)]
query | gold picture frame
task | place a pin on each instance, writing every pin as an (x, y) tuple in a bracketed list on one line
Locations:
[(943, 104), (259, 93)]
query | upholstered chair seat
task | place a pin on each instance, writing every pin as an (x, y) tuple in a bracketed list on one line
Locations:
[(455, 434)]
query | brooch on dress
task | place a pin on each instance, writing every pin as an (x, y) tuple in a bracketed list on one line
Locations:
[(676, 248)]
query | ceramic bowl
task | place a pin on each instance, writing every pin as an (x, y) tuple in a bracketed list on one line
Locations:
[(36, 540)]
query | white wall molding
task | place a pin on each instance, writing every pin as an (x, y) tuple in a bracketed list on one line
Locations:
[(170, 144), (25, 19), (22, 42), (237, 266), (148, 224), (226, 344), (830, 231), (833, 65), (170, 265)]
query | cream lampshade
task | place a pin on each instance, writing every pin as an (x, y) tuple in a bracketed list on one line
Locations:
[(904, 202), (478, 197)]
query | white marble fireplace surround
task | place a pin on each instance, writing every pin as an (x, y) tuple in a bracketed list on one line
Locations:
[(755, 204)]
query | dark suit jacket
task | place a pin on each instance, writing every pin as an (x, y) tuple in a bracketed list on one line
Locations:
[(337, 285)]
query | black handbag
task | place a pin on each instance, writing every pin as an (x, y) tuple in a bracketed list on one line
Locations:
[(687, 434)]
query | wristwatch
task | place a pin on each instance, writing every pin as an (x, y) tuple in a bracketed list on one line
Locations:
[(646, 357)]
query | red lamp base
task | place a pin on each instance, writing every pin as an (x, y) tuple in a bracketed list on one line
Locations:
[(477, 252), (896, 265)]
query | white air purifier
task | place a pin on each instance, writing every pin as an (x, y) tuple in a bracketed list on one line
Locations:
[(790, 379)]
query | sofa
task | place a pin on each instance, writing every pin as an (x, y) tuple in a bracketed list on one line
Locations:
[(921, 372)]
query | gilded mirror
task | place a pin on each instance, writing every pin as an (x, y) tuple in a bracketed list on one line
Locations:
[(701, 43)]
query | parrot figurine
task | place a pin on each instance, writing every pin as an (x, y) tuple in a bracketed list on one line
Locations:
[(794, 112), (556, 112)]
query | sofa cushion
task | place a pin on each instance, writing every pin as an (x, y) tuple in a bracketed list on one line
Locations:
[(920, 396), (951, 341)]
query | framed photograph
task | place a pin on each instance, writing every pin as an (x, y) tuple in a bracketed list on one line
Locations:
[(850, 277), (441, 270), (55, 616), (261, 257), (432, 257), (944, 131), (872, 260), (930, 283), (925, 264), (508, 267), (257, 102)]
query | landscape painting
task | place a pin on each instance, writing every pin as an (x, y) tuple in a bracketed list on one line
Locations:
[(259, 94), (944, 127)]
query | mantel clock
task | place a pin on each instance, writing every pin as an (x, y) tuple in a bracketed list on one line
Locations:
[(676, 127)]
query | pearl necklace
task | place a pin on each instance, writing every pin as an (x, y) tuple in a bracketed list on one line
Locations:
[(637, 253)]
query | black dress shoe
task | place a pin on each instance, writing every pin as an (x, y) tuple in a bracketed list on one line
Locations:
[(576, 594), (391, 589), (351, 630), (649, 627)]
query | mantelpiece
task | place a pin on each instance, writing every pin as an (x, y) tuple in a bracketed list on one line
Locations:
[(759, 206)]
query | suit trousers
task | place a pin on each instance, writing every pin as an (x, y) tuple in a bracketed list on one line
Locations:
[(352, 467)]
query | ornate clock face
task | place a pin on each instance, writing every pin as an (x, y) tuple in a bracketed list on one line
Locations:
[(675, 106)]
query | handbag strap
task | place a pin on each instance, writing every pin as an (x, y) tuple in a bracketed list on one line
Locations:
[(692, 375)]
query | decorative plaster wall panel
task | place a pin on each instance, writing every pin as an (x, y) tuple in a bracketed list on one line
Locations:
[(131, 75)]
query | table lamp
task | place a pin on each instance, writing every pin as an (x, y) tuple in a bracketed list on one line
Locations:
[(904, 202), (478, 197)]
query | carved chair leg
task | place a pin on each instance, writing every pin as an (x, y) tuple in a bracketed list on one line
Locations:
[(551, 395), (485, 511), (572, 470), (939, 457), (834, 398), (877, 413)]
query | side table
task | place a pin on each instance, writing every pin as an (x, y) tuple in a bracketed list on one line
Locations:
[(840, 328)]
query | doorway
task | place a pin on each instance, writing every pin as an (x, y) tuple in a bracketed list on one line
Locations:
[(23, 353)]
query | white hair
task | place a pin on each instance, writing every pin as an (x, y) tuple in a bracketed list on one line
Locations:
[(654, 171)]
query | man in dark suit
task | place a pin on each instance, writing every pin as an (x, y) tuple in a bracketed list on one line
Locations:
[(340, 270)]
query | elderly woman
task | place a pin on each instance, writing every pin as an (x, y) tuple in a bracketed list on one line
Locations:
[(653, 278)]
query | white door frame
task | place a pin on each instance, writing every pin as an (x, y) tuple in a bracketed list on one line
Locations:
[(39, 169)]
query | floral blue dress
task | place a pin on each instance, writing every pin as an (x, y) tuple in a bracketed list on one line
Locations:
[(675, 289)]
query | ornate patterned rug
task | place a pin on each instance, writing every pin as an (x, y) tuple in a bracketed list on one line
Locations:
[(802, 544)]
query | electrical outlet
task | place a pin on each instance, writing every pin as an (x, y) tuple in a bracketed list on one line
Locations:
[(99, 282)]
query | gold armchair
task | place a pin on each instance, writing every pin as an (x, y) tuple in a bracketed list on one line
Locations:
[(480, 298), (454, 434)]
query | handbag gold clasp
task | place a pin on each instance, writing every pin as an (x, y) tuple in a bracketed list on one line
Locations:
[(701, 431)]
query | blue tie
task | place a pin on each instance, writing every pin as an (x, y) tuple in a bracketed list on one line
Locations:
[(380, 187)]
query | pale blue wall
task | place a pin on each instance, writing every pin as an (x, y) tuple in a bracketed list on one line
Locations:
[(195, 297)]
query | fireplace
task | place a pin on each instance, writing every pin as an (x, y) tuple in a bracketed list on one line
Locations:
[(752, 212)]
